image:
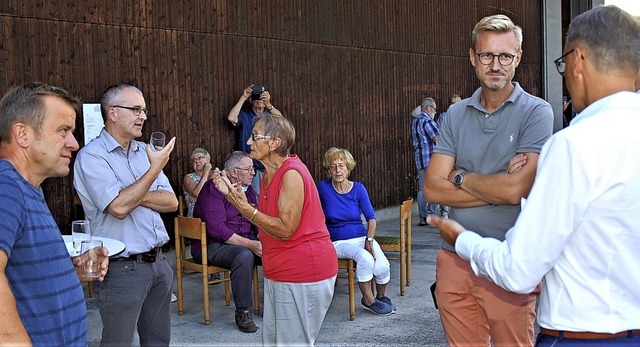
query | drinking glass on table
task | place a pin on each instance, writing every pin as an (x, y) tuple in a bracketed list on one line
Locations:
[(80, 231), (157, 141), (91, 252)]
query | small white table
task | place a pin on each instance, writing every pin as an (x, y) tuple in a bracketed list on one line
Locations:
[(113, 246)]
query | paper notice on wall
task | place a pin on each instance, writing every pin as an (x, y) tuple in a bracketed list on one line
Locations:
[(93, 123)]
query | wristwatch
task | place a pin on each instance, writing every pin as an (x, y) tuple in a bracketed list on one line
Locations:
[(459, 178), (370, 239)]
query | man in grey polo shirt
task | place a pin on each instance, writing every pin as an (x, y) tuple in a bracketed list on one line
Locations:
[(123, 190), (468, 171)]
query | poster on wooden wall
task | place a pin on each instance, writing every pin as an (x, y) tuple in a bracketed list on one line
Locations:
[(92, 121)]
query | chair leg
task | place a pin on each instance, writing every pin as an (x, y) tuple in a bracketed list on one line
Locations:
[(205, 285), (256, 291), (403, 272), (408, 262), (179, 285), (227, 289), (352, 297)]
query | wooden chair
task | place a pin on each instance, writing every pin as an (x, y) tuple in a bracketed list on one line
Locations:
[(401, 244), (181, 206), (349, 265), (194, 228)]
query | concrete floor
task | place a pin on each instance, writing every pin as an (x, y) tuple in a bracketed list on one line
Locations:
[(416, 323)]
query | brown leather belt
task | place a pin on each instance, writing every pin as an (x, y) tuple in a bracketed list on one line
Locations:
[(586, 335), (146, 257)]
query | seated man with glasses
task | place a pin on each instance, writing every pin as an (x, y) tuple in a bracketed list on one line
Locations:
[(232, 240)]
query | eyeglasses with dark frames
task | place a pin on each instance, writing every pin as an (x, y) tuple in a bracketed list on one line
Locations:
[(561, 65), (255, 137), (135, 109), (486, 58)]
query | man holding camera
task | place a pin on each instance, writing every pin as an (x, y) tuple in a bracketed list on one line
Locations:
[(242, 121)]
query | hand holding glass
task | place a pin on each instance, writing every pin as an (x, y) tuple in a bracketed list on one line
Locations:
[(157, 141), (91, 258), (80, 231)]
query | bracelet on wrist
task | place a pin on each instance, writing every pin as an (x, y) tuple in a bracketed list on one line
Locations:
[(253, 215), (271, 109)]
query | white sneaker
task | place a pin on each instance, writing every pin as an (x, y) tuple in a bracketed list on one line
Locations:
[(174, 298)]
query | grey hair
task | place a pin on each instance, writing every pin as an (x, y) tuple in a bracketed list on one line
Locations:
[(498, 23), (612, 37), (113, 96), (234, 159), (278, 126), (426, 102), (203, 152)]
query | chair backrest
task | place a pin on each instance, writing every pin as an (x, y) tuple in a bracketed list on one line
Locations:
[(192, 228), (405, 219)]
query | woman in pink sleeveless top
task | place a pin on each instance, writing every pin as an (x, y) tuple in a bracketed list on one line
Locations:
[(299, 260)]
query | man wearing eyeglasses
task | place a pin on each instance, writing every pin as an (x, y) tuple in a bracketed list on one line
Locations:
[(232, 240), (123, 191), (469, 172), (242, 120), (585, 246)]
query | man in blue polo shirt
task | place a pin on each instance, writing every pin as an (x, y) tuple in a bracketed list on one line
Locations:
[(41, 300)]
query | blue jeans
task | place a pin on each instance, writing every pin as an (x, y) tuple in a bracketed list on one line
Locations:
[(546, 340), (424, 208)]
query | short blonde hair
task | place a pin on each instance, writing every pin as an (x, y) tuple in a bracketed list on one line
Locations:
[(334, 153), (498, 23)]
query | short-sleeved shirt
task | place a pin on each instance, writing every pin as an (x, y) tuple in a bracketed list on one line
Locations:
[(244, 127), (44, 283), (343, 211), (484, 142), (222, 218), (423, 129), (101, 171), (308, 256)]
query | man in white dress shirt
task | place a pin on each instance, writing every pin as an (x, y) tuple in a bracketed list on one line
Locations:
[(580, 229)]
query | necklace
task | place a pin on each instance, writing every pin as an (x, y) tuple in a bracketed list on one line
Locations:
[(348, 187)]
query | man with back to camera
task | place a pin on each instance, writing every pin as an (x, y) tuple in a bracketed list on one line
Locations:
[(584, 248), (242, 121), (41, 300), (123, 191), (424, 134), (478, 138)]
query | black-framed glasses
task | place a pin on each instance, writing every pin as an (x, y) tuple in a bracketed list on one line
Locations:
[(137, 110), (486, 58), (255, 137), (561, 65), (248, 170)]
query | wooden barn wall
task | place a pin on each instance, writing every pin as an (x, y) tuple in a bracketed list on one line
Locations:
[(347, 73)]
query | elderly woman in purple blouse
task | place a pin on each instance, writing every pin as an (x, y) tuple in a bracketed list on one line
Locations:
[(231, 239)]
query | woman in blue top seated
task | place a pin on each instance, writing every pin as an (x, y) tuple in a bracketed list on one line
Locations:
[(343, 201)]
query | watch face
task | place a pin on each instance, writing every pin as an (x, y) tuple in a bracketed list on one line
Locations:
[(457, 180)]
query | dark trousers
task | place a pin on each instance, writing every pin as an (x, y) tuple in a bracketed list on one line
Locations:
[(136, 294), (239, 260)]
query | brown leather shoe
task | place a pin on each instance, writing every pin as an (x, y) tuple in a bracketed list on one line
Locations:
[(244, 321)]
